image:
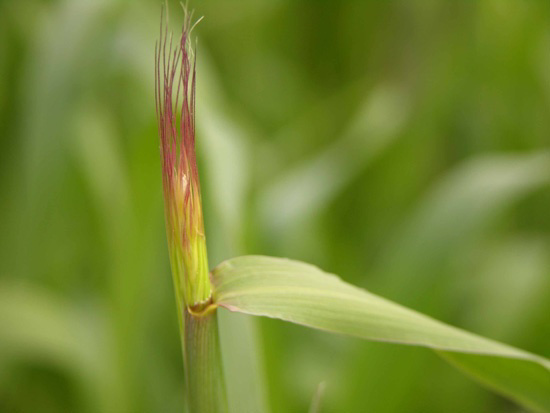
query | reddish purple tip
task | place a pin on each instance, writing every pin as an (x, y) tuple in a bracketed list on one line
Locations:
[(175, 107)]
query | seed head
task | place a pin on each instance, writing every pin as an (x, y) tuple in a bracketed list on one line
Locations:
[(175, 106)]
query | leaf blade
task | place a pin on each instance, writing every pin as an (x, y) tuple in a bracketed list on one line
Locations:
[(303, 294)]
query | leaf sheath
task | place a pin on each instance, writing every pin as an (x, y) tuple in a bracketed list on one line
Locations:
[(203, 364)]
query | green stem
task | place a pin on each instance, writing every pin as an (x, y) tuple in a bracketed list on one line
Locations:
[(203, 364)]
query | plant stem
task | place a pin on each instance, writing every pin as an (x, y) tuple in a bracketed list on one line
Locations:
[(203, 364)]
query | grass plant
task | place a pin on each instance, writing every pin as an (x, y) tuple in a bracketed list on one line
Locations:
[(286, 289)]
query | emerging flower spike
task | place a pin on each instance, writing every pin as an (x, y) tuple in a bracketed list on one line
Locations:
[(175, 107)]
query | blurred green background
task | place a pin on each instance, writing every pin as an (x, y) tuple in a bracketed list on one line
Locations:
[(402, 145)]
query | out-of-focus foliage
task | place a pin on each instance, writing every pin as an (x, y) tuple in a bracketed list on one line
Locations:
[(398, 144)]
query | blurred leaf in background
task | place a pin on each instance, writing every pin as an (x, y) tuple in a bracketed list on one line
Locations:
[(403, 145)]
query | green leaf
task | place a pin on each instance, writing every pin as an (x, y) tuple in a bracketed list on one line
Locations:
[(303, 294)]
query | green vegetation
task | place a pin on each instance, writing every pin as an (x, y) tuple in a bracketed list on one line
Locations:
[(401, 145)]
